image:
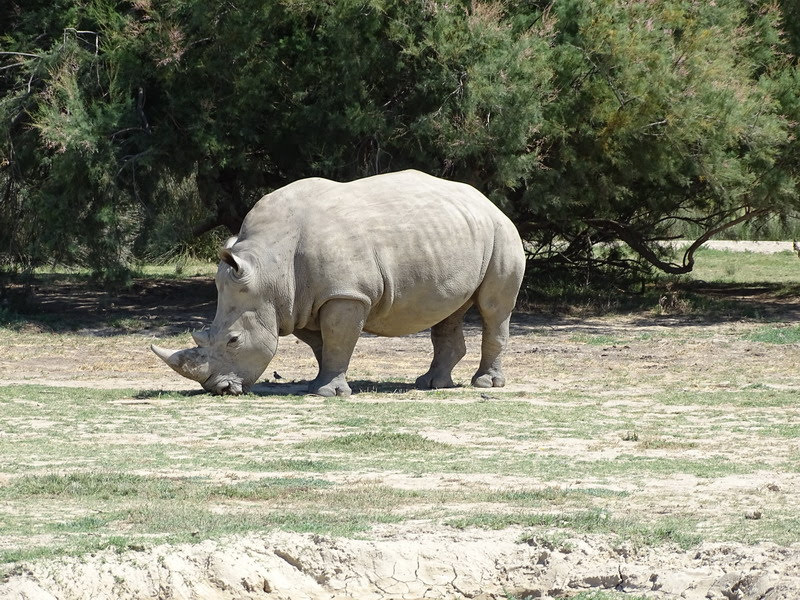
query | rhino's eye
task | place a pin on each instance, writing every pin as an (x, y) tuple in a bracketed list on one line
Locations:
[(233, 340)]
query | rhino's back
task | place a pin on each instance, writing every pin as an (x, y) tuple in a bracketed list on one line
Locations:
[(412, 246)]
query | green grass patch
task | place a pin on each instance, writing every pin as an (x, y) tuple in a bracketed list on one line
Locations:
[(300, 465), (190, 522), (178, 269), (665, 444), (776, 335), (128, 324), (596, 340), (552, 468), (748, 396), (9, 318), (745, 267), (10, 556), (183, 267), (673, 530), (553, 495), (87, 524), (270, 488), (122, 486), (381, 442), (104, 486), (778, 526), (603, 595), (784, 430)]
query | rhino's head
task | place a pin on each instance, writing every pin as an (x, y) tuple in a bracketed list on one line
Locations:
[(234, 351)]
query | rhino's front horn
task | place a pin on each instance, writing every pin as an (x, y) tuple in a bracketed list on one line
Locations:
[(191, 363)]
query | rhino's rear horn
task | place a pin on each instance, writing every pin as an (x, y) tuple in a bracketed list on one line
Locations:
[(201, 337)]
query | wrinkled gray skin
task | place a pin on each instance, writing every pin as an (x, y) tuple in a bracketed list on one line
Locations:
[(392, 255)]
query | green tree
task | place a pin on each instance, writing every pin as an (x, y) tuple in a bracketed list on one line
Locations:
[(666, 113), (128, 126), (61, 197), (234, 99)]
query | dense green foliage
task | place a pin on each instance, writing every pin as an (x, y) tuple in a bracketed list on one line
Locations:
[(131, 127)]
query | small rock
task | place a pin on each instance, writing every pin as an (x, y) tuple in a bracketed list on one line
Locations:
[(600, 580), (725, 588), (624, 550), (752, 515), (756, 585)]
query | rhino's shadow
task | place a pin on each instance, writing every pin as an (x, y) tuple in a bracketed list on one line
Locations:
[(291, 388), (359, 386), (162, 393)]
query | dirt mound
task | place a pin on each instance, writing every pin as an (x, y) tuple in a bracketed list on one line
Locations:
[(407, 564)]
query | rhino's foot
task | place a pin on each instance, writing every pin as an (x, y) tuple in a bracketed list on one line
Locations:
[(434, 381), (488, 380), (330, 387)]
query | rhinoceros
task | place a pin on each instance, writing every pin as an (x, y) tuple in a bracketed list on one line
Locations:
[(391, 255)]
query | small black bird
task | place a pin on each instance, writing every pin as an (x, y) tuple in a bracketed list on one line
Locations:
[(276, 375)]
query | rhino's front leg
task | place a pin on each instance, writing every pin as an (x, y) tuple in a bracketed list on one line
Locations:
[(341, 322)]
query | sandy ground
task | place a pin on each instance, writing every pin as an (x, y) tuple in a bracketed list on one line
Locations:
[(644, 355), (743, 246)]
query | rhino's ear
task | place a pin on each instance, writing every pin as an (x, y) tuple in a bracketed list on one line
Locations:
[(239, 264), (231, 241)]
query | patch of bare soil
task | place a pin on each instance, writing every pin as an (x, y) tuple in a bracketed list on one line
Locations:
[(156, 306), (408, 563)]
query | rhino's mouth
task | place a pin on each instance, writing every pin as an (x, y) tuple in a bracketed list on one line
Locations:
[(226, 385)]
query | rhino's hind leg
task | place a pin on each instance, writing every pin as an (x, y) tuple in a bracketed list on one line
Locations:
[(493, 342), (448, 348), (495, 300), (341, 322)]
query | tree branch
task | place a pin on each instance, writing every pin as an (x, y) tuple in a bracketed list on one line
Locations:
[(205, 226), (12, 65), (688, 256), (634, 239), (124, 131), (20, 54), (140, 98)]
